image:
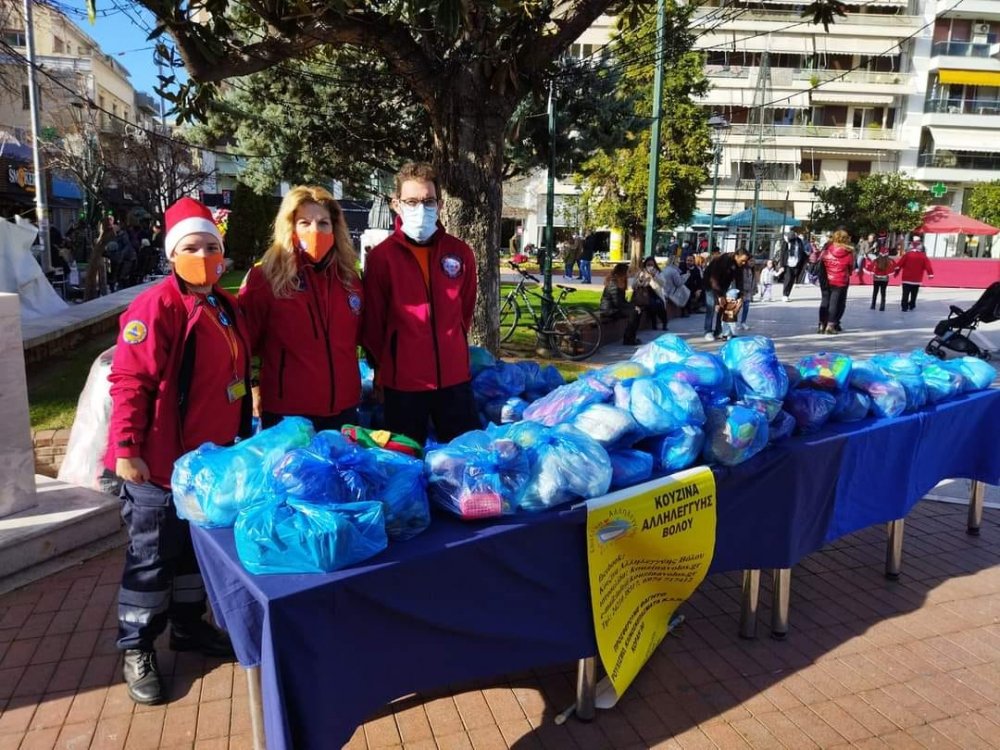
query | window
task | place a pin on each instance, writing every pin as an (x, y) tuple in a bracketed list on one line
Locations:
[(25, 100), (14, 37), (58, 46), (856, 169)]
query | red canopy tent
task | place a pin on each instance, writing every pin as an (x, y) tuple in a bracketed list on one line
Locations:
[(942, 220)]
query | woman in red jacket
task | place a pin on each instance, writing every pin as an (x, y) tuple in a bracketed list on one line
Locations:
[(179, 378), (303, 307), (836, 264)]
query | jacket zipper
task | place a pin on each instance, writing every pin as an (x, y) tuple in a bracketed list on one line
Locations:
[(281, 375), (312, 321), (393, 342), (325, 325)]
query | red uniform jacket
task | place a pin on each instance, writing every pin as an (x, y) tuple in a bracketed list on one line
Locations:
[(147, 382), (839, 264), (880, 267), (913, 264), (416, 332), (307, 343)]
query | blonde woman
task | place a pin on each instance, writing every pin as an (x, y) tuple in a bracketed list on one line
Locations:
[(303, 306)]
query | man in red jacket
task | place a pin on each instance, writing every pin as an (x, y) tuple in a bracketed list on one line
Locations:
[(420, 291), (913, 265)]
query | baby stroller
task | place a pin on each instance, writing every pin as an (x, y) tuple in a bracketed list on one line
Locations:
[(951, 335)]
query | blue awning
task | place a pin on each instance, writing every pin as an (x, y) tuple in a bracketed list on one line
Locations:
[(765, 218)]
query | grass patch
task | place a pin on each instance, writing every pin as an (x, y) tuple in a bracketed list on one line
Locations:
[(231, 281), (54, 386)]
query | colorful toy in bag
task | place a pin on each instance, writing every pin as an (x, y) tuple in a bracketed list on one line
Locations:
[(629, 468), (942, 384), (566, 401), (211, 484), (566, 464), (769, 407), (478, 475), (296, 537), (755, 367), (619, 372), (810, 408), (977, 373), (500, 381), (480, 359), (367, 379), (390, 441), (661, 405), (852, 405), (505, 411), (827, 370), (781, 427), (734, 434), (607, 424), (676, 450), (667, 348), (887, 394)]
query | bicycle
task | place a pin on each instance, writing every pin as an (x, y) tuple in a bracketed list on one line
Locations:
[(575, 332)]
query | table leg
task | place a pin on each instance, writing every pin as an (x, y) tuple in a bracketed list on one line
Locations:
[(976, 508), (256, 708), (748, 606), (894, 549), (781, 590), (586, 688)]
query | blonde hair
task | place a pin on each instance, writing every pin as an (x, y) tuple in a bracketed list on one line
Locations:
[(279, 265), (841, 237)]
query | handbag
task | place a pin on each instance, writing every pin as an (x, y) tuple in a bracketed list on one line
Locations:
[(680, 296), (640, 296)]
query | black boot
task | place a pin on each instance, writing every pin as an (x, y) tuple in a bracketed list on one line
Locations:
[(142, 677), (202, 637)]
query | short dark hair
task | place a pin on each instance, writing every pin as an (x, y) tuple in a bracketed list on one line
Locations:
[(742, 251), (417, 170)]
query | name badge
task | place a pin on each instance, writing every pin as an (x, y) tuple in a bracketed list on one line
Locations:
[(236, 390)]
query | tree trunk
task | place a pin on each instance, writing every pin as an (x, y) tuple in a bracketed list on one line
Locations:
[(468, 155)]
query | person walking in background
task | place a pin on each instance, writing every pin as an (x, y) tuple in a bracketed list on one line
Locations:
[(880, 267), (745, 279), (793, 258), (766, 281), (587, 256), (303, 305), (571, 251), (614, 305), (835, 263), (913, 265), (866, 246)]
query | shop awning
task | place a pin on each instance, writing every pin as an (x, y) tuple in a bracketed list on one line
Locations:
[(836, 97), (943, 220), (970, 77), (979, 141)]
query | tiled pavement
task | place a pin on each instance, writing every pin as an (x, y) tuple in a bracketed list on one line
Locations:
[(868, 663)]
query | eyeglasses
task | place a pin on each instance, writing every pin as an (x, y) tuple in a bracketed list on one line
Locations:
[(413, 202)]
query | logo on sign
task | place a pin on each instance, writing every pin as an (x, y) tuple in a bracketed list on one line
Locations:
[(21, 177)]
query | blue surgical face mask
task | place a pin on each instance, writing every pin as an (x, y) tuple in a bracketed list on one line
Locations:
[(419, 222)]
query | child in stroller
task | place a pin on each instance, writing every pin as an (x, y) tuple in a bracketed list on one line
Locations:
[(951, 335)]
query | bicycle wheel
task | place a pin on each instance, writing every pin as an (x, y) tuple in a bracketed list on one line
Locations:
[(575, 332), (510, 316)]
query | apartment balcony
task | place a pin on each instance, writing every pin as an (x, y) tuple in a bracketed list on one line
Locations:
[(951, 106), (855, 24), (960, 49), (952, 166), (807, 75), (825, 137)]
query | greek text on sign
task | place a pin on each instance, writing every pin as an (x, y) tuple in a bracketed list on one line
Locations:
[(648, 549)]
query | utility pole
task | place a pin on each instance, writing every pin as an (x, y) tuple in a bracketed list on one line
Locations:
[(544, 346), (41, 199), (654, 138)]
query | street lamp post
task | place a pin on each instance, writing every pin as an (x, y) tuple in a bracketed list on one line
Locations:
[(719, 125), (759, 168)]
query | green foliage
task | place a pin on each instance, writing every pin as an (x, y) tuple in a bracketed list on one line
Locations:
[(984, 202), (616, 180), (250, 225), (871, 203), (825, 12)]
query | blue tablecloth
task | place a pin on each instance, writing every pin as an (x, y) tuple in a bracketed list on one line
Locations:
[(465, 601)]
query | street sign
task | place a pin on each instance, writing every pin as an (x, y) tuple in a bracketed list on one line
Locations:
[(938, 189)]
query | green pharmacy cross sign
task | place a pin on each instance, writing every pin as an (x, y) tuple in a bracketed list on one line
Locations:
[(938, 190), (913, 205)]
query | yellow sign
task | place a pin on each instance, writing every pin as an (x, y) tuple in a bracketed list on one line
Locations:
[(648, 549), (616, 246)]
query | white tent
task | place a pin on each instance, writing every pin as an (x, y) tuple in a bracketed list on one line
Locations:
[(20, 273)]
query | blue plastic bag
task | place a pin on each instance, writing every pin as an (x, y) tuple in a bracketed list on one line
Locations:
[(977, 373), (618, 372), (629, 467), (666, 348), (297, 537), (503, 380), (887, 394), (794, 377), (710, 372), (676, 450), (566, 465), (211, 484), (827, 370), (607, 424), (538, 380), (769, 407), (734, 435), (810, 408), (402, 489), (661, 405), (781, 427), (309, 477), (566, 401), (942, 384), (505, 411), (478, 475), (895, 364), (852, 405), (480, 359), (755, 367)]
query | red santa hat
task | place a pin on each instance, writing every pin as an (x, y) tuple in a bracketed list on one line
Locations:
[(185, 217)]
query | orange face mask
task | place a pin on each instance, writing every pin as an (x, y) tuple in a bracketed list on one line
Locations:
[(315, 244), (197, 270)]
